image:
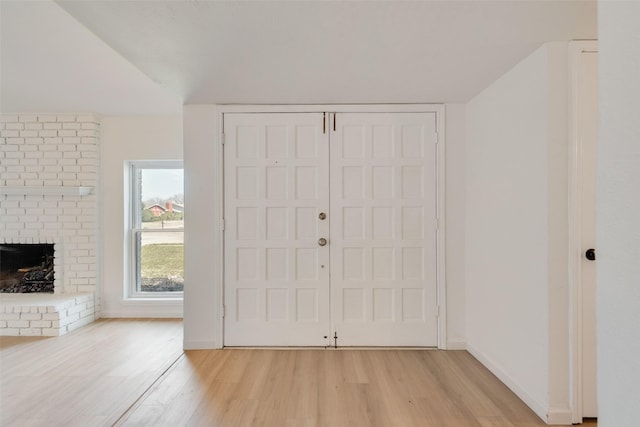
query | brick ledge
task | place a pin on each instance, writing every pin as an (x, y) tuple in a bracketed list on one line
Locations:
[(45, 314)]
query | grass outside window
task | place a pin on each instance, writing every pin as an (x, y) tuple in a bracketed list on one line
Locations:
[(162, 267)]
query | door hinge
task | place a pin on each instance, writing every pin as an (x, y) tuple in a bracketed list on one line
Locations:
[(334, 122), (324, 122), (222, 225), (437, 311), (222, 138), (224, 310), (335, 339), (437, 136)]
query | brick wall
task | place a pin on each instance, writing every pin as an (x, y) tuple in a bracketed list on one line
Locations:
[(61, 151)]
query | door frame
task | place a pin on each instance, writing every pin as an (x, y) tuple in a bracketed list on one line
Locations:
[(218, 162), (575, 246)]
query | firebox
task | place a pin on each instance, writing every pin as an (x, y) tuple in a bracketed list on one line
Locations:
[(26, 268)]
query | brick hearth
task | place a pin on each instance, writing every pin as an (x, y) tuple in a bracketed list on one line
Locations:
[(44, 314)]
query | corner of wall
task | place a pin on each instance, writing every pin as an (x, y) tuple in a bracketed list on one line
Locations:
[(455, 213), (203, 271), (617, 226)]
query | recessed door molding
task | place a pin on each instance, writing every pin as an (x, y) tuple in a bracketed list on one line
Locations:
[(331, 110)]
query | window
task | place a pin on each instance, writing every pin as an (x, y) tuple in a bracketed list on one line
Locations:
[(156, 231)]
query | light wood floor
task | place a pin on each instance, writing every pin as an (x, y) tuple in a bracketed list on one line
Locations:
[(88, 377), (133, 373), (330, 388)]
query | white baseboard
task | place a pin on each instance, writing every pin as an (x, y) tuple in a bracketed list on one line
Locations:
[(456, 345), (200, 345), (503, 376), (560, 416), (133, 315)]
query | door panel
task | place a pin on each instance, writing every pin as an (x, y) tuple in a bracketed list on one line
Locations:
[(276, 275), (383, 229)]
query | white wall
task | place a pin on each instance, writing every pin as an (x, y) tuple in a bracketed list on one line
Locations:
[(455, 225), (126, 138), (618, 225), (516, 210), (203, 238)]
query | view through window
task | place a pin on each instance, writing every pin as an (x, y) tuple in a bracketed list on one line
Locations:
[(158, 228)]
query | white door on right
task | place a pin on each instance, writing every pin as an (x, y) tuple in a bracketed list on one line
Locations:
[(588, 135), (383, 229)]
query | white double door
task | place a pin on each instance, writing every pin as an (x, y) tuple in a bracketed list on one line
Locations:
[(330, 229)]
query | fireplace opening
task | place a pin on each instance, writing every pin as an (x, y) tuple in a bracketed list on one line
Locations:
[(26, 268)]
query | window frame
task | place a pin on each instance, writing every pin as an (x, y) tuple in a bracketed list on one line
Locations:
[(134, 229)]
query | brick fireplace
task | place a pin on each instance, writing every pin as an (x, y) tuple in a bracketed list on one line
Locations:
[(48, 194)]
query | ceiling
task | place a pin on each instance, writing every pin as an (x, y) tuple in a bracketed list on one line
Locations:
[(151, 56), (51, 63)]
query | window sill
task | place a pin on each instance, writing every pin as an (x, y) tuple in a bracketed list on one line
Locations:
[(153, 299)]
